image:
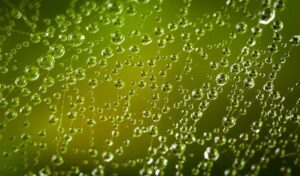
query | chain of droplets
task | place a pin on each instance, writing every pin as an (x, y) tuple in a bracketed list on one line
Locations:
[(65, 34)]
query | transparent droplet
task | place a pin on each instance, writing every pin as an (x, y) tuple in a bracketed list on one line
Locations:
[(222, 79), (107, 52), (119, 84), (107, 156), (211, 154), (117, 38), (57, 50), (93, 152), (146, 39), (295, 40), (21, 81), (197, 94), (167, 87), (98, 171), (32, 73), (11, 114), (267, 16), (46, 62), (76, 39), (57, 159), (229, 122)]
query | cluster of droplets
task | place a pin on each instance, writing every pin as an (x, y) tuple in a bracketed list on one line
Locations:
[(128, 86)]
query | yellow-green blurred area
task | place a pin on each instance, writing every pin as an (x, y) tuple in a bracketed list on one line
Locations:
[(149, 87)]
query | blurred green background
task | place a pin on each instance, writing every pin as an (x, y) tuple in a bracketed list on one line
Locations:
[(23, 156)]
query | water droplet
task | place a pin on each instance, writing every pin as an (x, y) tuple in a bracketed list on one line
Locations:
[(267, 16), (76, 39), (107, 156), (222, 79), (167, 87), (57, 159), (46, 62), (21, 81), (32, 73), (211, 154)]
